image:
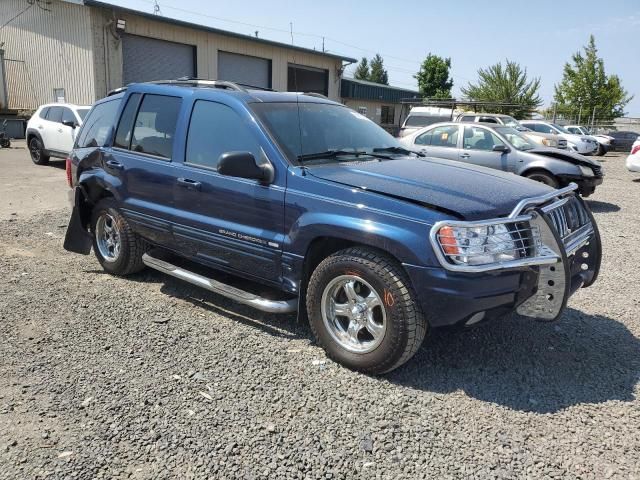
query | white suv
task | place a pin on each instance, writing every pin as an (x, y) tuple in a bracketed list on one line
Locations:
[(51, 130)]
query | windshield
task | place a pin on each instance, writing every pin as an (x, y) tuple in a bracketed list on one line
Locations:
[(510, 122), (424, 120), (322, 127), (82, 112), (559, 128), (515, 138)]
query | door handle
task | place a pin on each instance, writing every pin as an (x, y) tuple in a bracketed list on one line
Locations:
[(189, 184), (40, 127), (464, 155), (59, 130), (115, 164)]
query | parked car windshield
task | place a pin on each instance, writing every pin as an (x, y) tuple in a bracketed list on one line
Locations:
[(510, 122), (559, 128), (306, 129), (82, 112), (515, 138)]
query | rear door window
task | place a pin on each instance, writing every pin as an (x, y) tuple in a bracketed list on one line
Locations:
[(125, 127), (468, 118), (98, 125), (55, 114), (43, 112), (155, 125), (424, 138), (445, 136)]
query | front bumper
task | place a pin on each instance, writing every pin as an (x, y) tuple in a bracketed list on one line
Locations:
[(586, 185), (633, 163), (451, 298), (567, 257)]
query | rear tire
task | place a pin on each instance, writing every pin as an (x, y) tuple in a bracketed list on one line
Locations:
[(363, 311), (544, 177), (116, 246), (36, 150)]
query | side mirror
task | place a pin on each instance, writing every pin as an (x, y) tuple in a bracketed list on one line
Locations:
[(69, 123), (244, 165), (501, 148)]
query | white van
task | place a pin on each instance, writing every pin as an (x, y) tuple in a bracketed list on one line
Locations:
[(420, 117)]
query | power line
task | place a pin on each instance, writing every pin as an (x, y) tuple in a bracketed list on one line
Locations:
[(31, 4)]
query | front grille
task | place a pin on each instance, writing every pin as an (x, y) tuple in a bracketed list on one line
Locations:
[(562, 143), (570, 219), (597, 170)]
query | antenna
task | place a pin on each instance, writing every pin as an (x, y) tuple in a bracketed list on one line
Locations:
[(156, 8)]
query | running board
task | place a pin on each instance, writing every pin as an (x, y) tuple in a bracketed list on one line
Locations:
[(235, 294)]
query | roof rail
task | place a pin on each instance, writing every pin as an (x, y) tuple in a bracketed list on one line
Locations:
[(314, 94), (200, 82), (115, 91)]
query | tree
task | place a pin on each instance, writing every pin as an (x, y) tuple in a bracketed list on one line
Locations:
[(586, 86), (508, 84), (362, 70), (433, 77), (378, 73)]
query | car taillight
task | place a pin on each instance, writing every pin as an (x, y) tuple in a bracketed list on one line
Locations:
[(68, 168), (635, 150)]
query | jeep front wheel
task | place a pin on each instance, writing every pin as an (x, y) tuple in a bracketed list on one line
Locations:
[(117, 247), (363, 312)]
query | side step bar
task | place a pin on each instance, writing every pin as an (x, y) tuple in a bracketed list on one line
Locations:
[(235, 294)]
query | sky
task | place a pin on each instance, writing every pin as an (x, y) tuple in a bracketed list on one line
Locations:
[(540, 35)]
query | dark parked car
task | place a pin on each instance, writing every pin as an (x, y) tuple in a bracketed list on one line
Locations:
[(623, 140), (324, 211)]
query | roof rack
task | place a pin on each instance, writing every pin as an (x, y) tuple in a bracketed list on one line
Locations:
[(200, 82)]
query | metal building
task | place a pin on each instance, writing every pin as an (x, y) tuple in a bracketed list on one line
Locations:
[(75, 51), (380, 103)]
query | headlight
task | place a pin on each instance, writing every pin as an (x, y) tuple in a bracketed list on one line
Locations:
[(586, 171), (547, 142), (477, 245)]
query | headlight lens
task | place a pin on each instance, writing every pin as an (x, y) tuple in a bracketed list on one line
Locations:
[(586, 171), (546, 141), (477, 245)]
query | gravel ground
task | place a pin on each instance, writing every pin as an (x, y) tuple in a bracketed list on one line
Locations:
[(103, 377)]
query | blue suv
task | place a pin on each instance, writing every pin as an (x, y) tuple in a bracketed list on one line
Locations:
[(320, 211)]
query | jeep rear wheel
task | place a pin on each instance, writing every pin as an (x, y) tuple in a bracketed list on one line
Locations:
[(363, 311), (36, 151), (118, 248)]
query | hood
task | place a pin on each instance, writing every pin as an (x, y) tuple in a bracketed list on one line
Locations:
[(573, 138), (566, 155), (469, 191)]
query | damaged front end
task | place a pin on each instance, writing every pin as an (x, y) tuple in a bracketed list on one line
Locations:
[(554, 235)]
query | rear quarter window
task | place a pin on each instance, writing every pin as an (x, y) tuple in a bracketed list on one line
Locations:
[(96, 128)]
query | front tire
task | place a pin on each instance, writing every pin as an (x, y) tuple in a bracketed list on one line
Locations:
[(36, 150), (544, 177), (116, 246), (363, 311)]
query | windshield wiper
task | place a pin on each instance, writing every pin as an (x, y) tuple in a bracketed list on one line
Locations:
[(398, 150), (331, 154)]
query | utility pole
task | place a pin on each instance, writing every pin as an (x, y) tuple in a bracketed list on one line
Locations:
[(323, 50), (554, 112), (580, 112)]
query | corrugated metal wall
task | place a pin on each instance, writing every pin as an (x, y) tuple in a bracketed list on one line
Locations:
[(47, 49), (208, 44)]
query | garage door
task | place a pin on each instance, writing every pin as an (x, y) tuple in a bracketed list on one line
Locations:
[(244, 69), (145, 59)]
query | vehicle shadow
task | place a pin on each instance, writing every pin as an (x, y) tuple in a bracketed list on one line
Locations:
[(515, 362), (530, 366), (597, 206), (285, 326)]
